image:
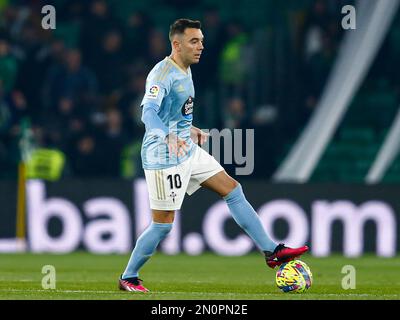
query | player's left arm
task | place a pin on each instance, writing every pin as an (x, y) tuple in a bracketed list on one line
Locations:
[(198, 136)]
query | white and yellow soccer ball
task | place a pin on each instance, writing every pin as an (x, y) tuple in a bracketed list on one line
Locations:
[(294, 276)]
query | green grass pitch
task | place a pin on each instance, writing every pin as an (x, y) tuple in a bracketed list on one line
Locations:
[(86, 276)]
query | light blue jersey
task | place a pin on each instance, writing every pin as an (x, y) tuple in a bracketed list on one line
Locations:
[(170, 88)]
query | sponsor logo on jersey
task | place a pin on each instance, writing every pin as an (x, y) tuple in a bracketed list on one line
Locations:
[(180, 88), (153, 92), (187, 107)]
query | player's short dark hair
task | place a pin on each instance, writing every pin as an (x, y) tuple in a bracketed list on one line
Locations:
[(180, 25)]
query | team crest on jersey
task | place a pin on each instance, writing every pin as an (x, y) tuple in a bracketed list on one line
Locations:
[(173, 196), (153, 92), (187, 107)]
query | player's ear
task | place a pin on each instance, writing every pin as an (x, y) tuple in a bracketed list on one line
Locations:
[(176, 44)]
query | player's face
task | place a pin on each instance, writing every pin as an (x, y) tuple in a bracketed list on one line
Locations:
[(192, 45)]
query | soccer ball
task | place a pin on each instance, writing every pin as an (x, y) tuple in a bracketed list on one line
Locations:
[(294, 276)]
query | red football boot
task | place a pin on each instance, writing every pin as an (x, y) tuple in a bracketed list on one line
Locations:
[(283, 254), (132, 284)]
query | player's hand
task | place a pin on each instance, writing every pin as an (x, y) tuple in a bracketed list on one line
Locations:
[(176, 146), (198, 136)]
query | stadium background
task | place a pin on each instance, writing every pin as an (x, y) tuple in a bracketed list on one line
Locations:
[(70, 118)]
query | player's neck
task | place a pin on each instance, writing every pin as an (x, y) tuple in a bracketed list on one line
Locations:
[(175, 58)]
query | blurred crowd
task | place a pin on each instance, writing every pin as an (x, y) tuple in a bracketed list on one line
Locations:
[(81, 84)]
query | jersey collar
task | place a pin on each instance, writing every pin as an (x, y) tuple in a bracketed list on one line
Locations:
[(187, 72)]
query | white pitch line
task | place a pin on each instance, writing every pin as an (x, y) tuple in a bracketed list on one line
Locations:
[(201, 293)]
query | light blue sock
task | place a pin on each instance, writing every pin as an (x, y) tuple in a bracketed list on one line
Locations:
[(145, 246), (246, 217)]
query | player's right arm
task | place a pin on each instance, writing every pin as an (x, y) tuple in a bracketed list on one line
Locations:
[(155, 93), (152, 121), (154, 124)]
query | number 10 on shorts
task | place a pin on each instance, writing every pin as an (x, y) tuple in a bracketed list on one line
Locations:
[(175, 181)]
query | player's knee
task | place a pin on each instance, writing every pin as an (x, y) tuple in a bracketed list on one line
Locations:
[(235, 194), (163, 216), (232, 185)]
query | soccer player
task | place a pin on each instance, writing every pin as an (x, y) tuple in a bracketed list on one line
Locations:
[(173, 162)]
